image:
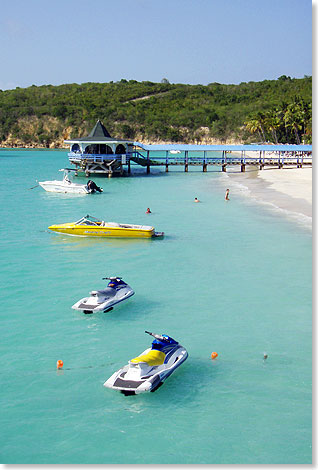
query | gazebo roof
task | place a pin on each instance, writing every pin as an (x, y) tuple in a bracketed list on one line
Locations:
[(99, 131), (98, 134)]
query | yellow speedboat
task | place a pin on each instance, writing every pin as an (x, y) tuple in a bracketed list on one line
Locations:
[(91, 227)]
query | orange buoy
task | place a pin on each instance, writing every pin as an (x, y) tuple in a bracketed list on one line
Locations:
[(59, 364), (214, 355)]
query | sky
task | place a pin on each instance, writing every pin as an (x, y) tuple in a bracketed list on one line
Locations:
[(185, 41)]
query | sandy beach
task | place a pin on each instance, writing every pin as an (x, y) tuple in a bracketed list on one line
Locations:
[(293, 182), (287, 190)]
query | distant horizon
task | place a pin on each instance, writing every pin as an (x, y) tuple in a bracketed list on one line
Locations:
[(152, 81)]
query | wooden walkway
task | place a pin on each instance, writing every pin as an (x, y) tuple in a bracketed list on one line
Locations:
[(296, 156), (226, 159)]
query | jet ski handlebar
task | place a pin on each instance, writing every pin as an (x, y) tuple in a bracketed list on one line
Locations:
[(112, 278), (161, 338)]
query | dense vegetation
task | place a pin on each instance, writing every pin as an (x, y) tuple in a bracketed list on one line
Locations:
[(271, 110)]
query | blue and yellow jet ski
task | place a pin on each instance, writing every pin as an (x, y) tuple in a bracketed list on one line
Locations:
[(147, 372)]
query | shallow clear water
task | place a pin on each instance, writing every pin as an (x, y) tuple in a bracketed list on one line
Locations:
[(230, 277)]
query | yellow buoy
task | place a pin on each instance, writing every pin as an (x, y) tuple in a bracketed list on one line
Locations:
[(214, 355), (59, 364)]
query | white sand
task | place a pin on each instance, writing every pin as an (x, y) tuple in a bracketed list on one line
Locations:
[(294, 182), (287, 190)]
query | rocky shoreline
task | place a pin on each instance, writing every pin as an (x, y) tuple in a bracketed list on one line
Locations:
[(11, 142)]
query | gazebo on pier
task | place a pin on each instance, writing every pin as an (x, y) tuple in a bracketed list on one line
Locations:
[(99, 152)]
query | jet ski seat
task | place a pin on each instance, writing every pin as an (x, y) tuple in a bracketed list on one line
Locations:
[(104, 292), (108, 291), (152, 358)]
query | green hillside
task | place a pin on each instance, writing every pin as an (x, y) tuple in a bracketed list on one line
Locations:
[(271, 110)]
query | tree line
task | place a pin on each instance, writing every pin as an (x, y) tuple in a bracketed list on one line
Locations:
[(287, 123), (270, 110)]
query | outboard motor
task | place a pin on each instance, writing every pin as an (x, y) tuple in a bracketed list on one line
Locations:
[(92, 187)]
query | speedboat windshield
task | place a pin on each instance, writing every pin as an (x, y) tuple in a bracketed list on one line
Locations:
[(88, 220), (67, 175)]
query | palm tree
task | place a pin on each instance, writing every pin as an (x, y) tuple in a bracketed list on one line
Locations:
[(273, 123), (255, 126), (307, 136), (294, 119), (260, 117), (288, 123)]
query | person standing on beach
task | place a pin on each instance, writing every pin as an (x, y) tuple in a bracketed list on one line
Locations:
[(227, 195)]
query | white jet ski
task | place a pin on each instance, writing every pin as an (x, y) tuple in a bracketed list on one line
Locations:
[(147, 372), (103, 300), (66, 185)]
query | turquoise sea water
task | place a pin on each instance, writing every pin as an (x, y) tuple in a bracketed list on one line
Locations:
[(230, 277)]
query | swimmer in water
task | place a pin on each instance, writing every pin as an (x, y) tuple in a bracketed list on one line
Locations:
[(196, 199), (227, 195), (148, 211)]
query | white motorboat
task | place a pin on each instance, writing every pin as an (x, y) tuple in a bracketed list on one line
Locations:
[(103, 300), (66, 185), (148, 371)]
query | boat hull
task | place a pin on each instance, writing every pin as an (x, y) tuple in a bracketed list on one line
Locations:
[(60, 187), (100, 303), (104, 232)]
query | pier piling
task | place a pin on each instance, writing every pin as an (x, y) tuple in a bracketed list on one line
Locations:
[(205, 166), (148, 163)]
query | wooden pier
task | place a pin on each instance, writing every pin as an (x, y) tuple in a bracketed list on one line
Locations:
[(226, 156), (122, 164), (99, 153)]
